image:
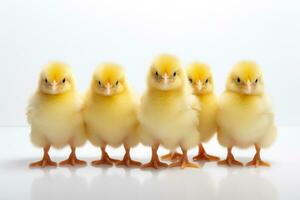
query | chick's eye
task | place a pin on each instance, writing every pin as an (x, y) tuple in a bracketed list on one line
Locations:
[(117, 82), (99, 82), (256, 81), (64, 80), (174, 74), (191, 81), (156, 73), (206, 81), (46, 80), (238, 80)]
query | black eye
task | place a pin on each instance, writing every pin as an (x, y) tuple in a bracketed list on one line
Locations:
[(156, 73), (99, 82), (64, 80), (238, 80), (46, 80), (174, 74), (191, 81), (117, 82), (256, 80), (206, 81)]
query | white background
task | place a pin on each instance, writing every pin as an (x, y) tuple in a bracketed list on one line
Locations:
[(86, 33)]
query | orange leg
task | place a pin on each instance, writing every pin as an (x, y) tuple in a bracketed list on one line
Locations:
[(173, 156), (105, 159), (72, 160), (154, 162), (202, 155), (184, 161), (127, 161), (230, 160), (257, 160), (46, 160)]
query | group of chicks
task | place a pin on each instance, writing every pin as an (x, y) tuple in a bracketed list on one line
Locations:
[(178, 109)]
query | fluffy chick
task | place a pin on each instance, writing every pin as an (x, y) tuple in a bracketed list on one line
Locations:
[(201, 80), (166, 112), (245, 116), (110, 113), (54, 114)]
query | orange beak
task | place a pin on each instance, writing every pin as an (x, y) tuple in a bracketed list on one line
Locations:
[(108, 89), (248, 87), (166, 78), (54, 85), (199, 85)]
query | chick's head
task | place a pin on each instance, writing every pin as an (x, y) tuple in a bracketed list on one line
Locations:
[(200, 78), (109, 80), (56, 78), (246, 78), (166, 73)]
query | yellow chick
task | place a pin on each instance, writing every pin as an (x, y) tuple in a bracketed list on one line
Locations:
[(54, 114), (166, 113), (245, 116), (110, 113), (201, 80)]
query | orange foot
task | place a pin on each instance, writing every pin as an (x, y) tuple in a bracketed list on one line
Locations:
[(230, 161), (128, 162), (257, 163), (72, 160), (172, 156), (206, 157), (45, 162), (154, 163), (105, 160), (257, 160), (184, 162)]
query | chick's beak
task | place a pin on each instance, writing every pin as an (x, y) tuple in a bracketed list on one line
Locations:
[(108, 88), (54, 86), (199, 85), (248, 87), (166, 78)]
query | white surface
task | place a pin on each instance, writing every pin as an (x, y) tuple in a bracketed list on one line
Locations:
[(17, 181), (84, 33)]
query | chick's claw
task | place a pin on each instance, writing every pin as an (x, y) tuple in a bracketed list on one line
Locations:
[(44, 163), (154, 164), (257, 161), (172, 156), (184, 164), (184, 161), (105, 160), (230, 161), (128, 162), (72, 161), (206, 157)]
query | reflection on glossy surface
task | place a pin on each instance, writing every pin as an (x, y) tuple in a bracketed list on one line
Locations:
[(59, 186), (178, 184), (111, 184), (246, 184), (115, 183)]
